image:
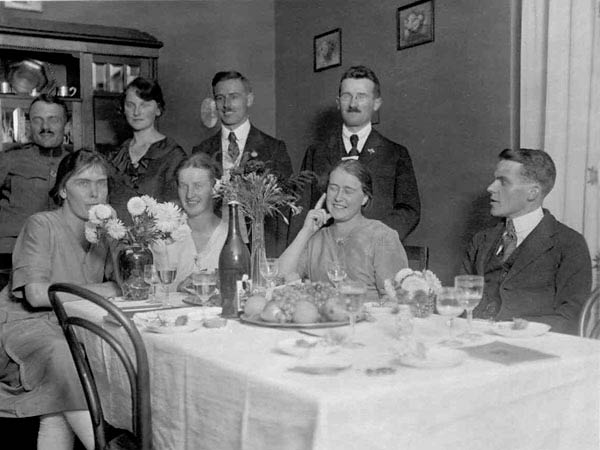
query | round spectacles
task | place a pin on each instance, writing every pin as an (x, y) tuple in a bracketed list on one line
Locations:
[(360, 97)]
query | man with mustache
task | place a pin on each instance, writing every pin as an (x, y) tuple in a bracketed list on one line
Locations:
[(28, 172), (395, 194), (239, 140), (535, 267)]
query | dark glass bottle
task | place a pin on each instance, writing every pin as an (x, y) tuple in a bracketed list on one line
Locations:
[(234, 263)]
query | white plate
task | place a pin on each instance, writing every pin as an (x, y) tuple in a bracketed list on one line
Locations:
[(533, 329), (435, 358), (164, 321), (174, 329), (306, 346), (323, 365)]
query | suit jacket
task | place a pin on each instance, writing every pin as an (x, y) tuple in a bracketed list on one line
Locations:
[(395, 194), (268, 150), (550, 277)]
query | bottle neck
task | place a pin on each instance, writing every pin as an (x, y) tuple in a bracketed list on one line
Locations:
[(233, 219)]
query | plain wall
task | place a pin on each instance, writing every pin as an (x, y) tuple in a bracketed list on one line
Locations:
[(200, 38), (446, 101)]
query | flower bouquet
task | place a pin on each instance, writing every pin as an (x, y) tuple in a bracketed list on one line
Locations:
[(260, 192), (153, 223), (416, 288)]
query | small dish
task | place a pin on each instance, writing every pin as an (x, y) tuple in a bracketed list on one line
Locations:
[(435, 358), (323, 364), (533, 329)]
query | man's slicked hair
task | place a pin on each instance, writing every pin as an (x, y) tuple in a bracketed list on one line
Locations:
[(538, 166), (358, 72), (231, 75)]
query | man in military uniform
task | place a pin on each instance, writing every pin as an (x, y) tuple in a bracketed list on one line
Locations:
[(28, 172)]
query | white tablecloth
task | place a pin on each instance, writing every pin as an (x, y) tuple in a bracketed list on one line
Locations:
[(228, 389)]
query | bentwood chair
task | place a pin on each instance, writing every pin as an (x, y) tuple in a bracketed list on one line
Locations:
[(589, 318), (106, 436), (418, 257)]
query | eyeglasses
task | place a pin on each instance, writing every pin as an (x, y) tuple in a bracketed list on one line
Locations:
[(231, 97), (360, 97)]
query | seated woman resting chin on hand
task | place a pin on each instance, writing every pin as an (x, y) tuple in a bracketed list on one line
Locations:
[(369, 250), (37, 373)]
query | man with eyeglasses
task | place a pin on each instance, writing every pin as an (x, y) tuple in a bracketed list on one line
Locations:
[(28, 172), (395, 193), (238, 140)]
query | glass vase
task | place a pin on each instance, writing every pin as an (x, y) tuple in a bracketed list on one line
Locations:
[(257, 253), (131, 260), (422, 303)]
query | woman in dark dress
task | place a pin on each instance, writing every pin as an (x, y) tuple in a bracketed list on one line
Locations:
[(145, 164), (37, 373)]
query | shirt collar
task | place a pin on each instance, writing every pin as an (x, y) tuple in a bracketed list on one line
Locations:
[(362, 134), (526, 223), (241, 133)]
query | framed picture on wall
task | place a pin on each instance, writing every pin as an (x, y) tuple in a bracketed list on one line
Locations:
[(415, 24), (328, 50)]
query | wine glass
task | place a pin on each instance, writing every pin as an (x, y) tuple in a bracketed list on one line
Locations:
[(336, 273), (151, 277), (352, 294), (470, 292), (167, 274), (204, 284), (269, 269), (449, 304)]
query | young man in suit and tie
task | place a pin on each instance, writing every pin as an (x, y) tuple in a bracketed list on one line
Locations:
[(535, 267), (238, 139), (395, 194)]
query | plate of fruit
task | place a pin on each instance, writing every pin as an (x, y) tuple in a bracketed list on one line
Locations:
[(300, 305)]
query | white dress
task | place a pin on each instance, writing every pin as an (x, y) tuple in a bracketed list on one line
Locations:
[(186, 256)]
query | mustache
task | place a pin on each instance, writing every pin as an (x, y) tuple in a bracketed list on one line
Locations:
[(46, 131), (352, 109)]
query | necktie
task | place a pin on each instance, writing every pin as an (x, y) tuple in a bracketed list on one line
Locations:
[(354, 142), (509, 240), (233, 149)]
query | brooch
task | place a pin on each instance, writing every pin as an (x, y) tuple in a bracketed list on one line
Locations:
[(370, 151), (253, 154)]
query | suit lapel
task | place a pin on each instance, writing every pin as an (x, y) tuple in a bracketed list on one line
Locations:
[(492, 243), (335, 148), (538, 242), (372, 143)]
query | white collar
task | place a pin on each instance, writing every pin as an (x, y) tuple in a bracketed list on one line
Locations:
[(241, 132), (362, 134), (526, 223)]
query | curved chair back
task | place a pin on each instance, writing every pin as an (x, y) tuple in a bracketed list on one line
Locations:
[(138, 374), (418, 256), (589, 318)]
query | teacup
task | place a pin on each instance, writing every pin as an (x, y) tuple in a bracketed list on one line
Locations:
[(66, 91)]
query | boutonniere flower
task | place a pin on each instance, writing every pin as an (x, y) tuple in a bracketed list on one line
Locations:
[(370, 151), (253, 154)]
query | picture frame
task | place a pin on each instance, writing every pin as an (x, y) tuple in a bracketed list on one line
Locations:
[(415, 24), (327, 50), (24, 5)]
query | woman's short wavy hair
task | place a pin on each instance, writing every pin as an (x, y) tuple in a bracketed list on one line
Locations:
[(360, 171)]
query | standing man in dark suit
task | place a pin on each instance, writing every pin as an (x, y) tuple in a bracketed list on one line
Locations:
[(238, 138), (535, 267), (395, 195)]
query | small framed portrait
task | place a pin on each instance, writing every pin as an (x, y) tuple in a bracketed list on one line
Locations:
[(415, 24), (24, 5), (328, 50)]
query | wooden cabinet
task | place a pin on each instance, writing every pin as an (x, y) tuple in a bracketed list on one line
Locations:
[(93, 63)]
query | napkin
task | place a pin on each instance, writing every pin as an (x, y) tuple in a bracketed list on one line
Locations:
[(506, 354)]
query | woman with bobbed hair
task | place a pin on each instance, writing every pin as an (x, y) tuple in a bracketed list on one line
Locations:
[(369, 250), (146, 162), (37, 373)]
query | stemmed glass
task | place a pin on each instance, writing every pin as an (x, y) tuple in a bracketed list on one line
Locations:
[(151, 277), (269, 269), (336, 273), (352, 295), (167, 274), (470, 292), (205, 285), (449, 304)]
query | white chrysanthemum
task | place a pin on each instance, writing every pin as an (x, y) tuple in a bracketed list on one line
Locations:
[(104, 212), (91, 235), (433, 281), (136, 206), (216, 189), (150, 203), (115, 229), (402, 274), (389, 288), (93, 215), (167, 217), (181, 232), (415, 282)]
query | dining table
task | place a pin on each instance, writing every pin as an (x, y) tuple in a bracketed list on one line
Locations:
[(254, 387)]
